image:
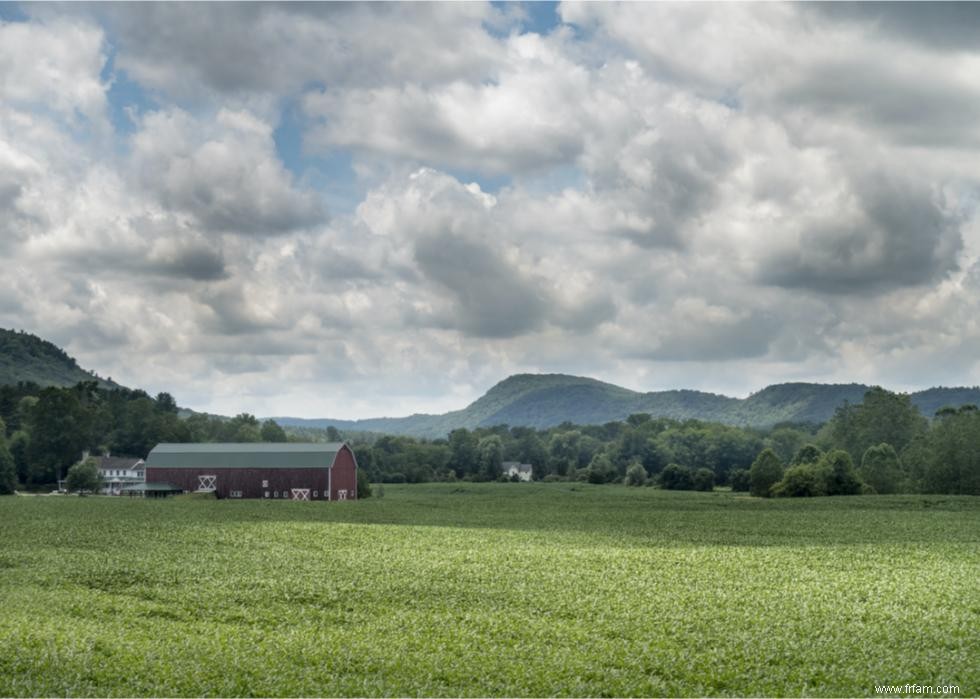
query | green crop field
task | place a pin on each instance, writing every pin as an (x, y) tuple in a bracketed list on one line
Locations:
[(489, 589)]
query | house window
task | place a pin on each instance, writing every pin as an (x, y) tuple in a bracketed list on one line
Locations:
[(265, 484), (206, 484)]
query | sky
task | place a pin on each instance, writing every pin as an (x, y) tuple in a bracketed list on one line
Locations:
[(356, 210)]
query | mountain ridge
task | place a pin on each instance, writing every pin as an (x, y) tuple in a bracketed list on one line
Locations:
[(25, 357), (532, 400), (546, 400)]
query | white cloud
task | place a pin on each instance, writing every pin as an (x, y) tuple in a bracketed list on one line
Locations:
[(666, 196), (224, 173)]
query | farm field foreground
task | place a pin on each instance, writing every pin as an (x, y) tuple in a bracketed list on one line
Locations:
[(489, 590)]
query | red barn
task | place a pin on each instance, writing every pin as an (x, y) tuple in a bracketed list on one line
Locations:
[(275, 471)]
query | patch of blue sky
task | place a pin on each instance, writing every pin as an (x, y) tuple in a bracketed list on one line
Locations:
[(491, 184), (127, 99), (554, 180), (12, 12), (330, 173), (538, 17)]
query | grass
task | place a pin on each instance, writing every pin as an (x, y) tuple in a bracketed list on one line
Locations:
[(487, 590)]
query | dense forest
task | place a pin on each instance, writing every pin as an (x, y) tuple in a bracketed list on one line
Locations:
[(880, 445)]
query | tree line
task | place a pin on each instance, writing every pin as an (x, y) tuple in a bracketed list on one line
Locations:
[(882, 445), (44, 431)]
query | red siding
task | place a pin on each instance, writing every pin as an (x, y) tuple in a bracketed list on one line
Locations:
[(281, 481), (344, 475)]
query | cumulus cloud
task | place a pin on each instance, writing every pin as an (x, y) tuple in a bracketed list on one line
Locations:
[(525, 116), (663, 195), (225, 174), (881, 234), (55, 66), (202, 51)]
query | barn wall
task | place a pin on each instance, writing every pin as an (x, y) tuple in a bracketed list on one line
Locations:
[(344, 475), (247, 480)]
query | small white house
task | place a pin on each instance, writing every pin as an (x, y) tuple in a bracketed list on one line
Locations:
[(119, 471), (514, 468)]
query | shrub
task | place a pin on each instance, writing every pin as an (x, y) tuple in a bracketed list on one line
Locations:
[(676, 477), (363, 485), (740, 480), (808, 454), (841, 478), (766, 471), (636, 474), (601, 470), (703, 479), (84, 477), (804, 480), (879, 468)]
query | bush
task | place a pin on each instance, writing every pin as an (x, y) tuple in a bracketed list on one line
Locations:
[(879, 468), (676, 477), (839, 469), (703, 479), (740, 480), (601, 470), (552, 478), (363, 485), (636, 475), (84, 477), (766, 471), (808, 454), (802, 481)]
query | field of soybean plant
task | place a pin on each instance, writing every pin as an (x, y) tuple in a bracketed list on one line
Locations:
[(499, 589)]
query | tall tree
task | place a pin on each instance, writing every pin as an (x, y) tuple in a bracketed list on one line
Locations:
[(765, 472), (490, 452), (59, 429), (880, 469), (8, 471), (462, 452)]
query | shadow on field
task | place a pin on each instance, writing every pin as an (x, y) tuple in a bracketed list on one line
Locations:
[(627, 516)]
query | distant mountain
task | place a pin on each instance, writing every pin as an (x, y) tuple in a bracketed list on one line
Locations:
[(546, 400), (26, 357)]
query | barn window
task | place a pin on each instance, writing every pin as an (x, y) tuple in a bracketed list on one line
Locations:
[(267, 493), (275, 494), (236, 493), (265, 484), (341, 494), (206, 483), (316, 493)]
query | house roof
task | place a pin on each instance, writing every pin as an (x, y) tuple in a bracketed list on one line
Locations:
[(127, 462), (521, 468), (248, 455)]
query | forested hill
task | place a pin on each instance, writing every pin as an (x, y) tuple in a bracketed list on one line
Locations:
[(28, 358), (546, 400)]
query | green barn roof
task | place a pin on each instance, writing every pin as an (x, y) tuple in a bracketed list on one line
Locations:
[(248, 455)]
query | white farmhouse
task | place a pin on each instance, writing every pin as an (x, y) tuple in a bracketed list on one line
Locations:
[(514, 468), (119, 471)]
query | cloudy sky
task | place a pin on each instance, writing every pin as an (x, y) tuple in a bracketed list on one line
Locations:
[(372, 209)]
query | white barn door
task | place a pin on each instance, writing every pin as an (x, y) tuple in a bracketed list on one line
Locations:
[(206, 484), (301, 493)]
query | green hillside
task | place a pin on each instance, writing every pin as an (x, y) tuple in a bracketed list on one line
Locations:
[(28, 358), (546, 400)]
